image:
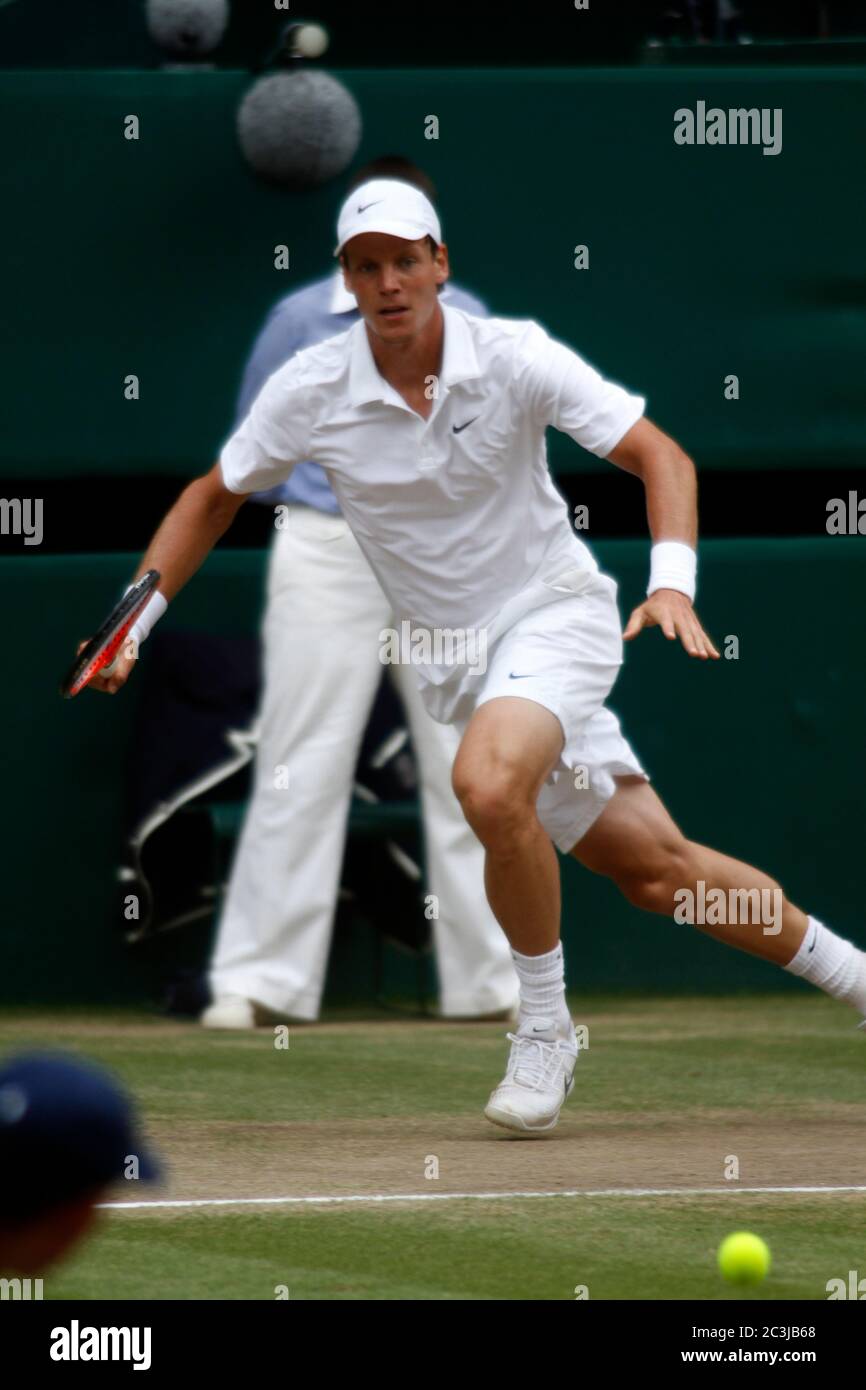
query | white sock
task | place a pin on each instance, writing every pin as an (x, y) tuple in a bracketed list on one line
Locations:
[(542, 988), (833, 964)]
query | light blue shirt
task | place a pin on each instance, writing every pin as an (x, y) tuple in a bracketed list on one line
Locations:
[(303, 318)]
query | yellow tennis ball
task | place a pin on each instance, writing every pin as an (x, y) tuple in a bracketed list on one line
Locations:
[(744, 1258)]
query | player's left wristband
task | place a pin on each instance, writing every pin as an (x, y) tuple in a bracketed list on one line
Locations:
[(673, 565), (141, 628), (148, 617)]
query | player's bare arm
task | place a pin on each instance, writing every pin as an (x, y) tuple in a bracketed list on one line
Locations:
[(185, 537), (670, 483)]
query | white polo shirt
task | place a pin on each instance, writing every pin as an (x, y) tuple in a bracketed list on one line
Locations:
[(458, 514)]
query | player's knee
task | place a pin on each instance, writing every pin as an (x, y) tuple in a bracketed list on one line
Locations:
[(653, 884), (494, 803), (650, 894)]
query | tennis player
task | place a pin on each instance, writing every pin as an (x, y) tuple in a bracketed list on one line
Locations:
[(429, 423)]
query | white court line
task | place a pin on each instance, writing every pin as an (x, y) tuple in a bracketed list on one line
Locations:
[(463, 1196)]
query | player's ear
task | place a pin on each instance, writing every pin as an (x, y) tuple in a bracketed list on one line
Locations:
[(443, 268)]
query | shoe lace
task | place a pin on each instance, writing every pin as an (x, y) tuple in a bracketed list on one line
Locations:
[(533, 1062)]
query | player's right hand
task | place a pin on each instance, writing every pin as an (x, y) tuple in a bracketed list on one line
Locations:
[(120, 671)]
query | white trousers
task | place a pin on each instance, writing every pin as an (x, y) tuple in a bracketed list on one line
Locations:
[(324, 612)]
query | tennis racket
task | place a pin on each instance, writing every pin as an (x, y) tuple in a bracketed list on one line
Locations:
[(100, 652)]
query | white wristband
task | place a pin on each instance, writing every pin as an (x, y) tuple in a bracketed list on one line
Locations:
[(148, 617), (673, 565), (143, 625)]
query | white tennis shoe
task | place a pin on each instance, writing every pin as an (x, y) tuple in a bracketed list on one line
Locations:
[(229, 1011), (538, 1079)]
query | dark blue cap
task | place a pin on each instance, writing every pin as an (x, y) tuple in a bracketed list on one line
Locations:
[(66, 1128)]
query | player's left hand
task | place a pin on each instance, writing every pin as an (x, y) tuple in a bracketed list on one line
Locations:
[(673, 613)]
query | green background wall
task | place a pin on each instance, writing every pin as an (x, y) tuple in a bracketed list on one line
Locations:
[(156, 257)]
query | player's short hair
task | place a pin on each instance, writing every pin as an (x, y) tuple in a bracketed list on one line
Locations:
[(393, 166)]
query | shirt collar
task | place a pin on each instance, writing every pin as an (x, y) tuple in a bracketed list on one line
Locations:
[(343, 302), (459, 360)]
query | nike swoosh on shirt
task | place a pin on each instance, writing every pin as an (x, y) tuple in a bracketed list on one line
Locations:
[(458, 428), (525, 677)]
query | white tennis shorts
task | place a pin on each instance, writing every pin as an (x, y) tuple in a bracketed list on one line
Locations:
[(565, 656)]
